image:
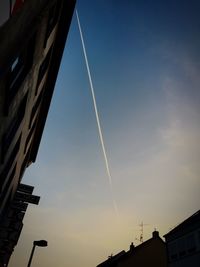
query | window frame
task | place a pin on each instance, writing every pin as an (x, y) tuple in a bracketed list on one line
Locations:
[(20, 66)]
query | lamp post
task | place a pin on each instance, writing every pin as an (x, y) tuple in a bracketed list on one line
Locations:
[(39, 243)]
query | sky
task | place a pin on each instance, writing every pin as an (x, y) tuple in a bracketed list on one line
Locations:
[(144, 60)]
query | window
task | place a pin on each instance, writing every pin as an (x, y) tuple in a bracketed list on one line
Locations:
[(10, 161), (173, 251), (35, 108), (52, 20), (19, 68), (5, 189), (24, 164), (29, 136), (43, 69), (6, 206), (191, 244), (15, 64), (182, 247), (12, 130)]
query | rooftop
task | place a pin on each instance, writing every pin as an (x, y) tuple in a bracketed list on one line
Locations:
[(189, 221)]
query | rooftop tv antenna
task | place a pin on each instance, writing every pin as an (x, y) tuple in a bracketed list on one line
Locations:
[(141, 238)]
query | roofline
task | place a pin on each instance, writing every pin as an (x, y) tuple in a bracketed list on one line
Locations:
[(146, 242), (112, 258), (183, 223), (126, 253)]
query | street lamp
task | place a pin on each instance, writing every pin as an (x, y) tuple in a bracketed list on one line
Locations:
[(39, 243)]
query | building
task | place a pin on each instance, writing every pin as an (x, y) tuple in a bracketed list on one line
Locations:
[(183, 243), (32, 40), (150, 253)]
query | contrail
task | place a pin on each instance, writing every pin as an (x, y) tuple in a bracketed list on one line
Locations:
[(97, 116)]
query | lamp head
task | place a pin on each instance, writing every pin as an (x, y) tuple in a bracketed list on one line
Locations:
[(40, 243)]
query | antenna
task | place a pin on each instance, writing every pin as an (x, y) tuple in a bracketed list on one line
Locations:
[(141, 238)]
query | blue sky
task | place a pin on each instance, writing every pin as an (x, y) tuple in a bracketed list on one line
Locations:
[(144, 59)]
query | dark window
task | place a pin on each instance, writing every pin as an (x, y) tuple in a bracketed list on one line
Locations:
[(35, 108), (182, 246), (12, 130), (5, 189), (182, 253), (24, 164), (191, 244), (43, 69), (29, 136), (173, 250), (19, 68), (174, 256), (6, 206), (52, 19), (10, 161)]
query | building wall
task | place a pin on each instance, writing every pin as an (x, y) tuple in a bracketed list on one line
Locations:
[(32, 41), (183, 243), (191, 261), (184, 250), (23, 51)]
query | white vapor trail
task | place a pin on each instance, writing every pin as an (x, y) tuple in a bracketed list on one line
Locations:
[(97, 116)]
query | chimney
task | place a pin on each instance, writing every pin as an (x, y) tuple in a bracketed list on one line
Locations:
[(155, 234), (131, 247)]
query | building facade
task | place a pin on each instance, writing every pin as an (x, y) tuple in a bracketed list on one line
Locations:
[(150, 253), (32, 40), (183, 243)]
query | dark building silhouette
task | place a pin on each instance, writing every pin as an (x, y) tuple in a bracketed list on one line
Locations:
[(183, 243), (150, 253), (113, 260), (32, 40)]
